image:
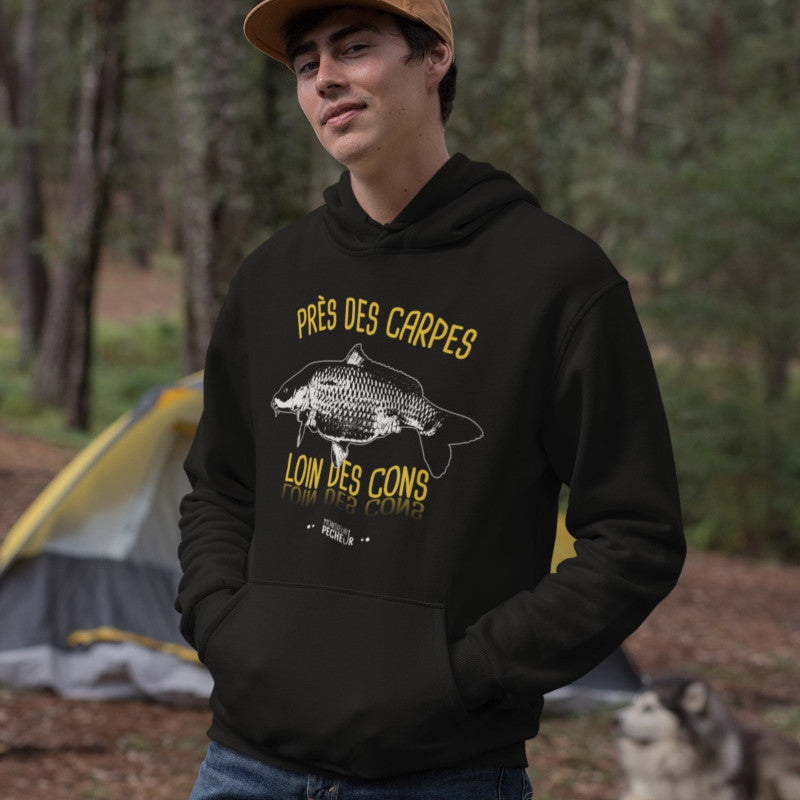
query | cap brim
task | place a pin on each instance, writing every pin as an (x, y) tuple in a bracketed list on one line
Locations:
[(265, 26)]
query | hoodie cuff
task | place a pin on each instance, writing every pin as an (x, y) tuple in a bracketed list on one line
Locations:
[(473, 674)]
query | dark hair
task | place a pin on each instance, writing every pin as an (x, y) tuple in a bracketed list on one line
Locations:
[(420, 38)]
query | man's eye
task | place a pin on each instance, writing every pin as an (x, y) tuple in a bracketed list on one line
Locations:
[(355, 48), (305, 67)]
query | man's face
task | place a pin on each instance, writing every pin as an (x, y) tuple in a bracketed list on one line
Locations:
[(365, 101)]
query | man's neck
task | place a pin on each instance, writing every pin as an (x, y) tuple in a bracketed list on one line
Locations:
[(383, 193)]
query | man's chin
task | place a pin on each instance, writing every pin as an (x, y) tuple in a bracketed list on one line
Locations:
[(352, 154)]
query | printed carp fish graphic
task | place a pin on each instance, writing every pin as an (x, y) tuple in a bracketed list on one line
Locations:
[(357, 400)]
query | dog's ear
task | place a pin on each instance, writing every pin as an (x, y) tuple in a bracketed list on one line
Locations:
[(695, 697)]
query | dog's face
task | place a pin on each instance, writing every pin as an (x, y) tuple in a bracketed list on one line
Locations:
[(677, 740), (646, 720), (669, 709)]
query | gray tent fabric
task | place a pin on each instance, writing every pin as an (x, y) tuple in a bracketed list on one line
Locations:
[(47, 598), (52, 599), (119, 671), (613, 682)]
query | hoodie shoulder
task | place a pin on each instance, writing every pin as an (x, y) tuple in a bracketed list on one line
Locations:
[(285, 240), (554, 248)]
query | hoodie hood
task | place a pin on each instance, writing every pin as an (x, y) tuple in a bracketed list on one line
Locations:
[(457, 201)]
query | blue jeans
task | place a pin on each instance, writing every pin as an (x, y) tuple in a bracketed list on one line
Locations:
[(227, 775)]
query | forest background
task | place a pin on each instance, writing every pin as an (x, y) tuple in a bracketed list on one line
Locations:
[(149, 131)]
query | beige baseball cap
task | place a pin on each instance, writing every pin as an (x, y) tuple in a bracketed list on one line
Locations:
[(265, 26)]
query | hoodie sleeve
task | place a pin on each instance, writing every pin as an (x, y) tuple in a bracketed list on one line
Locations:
[(607, 439), (217, 515)]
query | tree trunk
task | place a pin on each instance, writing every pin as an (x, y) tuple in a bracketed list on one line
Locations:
[(718, 43), (489, 36), (9, 104), (632, 87), (532, 174), (32, 278), (29, 269), (212, 96), (63, 374)]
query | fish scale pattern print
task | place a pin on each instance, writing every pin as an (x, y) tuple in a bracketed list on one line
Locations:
[(358, 400)]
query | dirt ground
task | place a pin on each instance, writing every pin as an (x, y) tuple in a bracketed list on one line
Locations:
[(732, 621)]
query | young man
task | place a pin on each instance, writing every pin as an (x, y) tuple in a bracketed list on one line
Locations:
[(398, 386)]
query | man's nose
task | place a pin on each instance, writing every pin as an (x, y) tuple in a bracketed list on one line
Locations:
[(329, 75)]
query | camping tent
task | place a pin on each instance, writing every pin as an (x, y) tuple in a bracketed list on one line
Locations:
[(89, 573)]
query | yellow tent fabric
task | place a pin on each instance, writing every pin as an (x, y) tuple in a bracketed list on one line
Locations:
[(103, 472), (564, 545)]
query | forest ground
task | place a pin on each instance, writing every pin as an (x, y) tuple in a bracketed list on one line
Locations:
[(733, 621)]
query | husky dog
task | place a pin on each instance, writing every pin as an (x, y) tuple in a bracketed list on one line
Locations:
[(677, 741)]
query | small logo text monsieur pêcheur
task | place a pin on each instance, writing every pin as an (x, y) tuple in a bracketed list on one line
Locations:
[(335, 531)]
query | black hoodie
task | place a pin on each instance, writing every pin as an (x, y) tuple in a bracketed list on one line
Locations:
[(390, 412)]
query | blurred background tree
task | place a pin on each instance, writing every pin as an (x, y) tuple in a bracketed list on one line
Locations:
[(666, 129), (23, 265), (64, 358)]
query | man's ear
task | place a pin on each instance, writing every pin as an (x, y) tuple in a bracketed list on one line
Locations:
[(438, 60)]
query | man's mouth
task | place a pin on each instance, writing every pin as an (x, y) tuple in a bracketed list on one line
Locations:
[(341, 113)]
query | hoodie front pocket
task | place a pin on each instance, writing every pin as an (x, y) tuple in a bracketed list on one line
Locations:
[(344, 680)]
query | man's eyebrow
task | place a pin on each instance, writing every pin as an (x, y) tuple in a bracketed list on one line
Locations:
[(351, 29), (310, 45)]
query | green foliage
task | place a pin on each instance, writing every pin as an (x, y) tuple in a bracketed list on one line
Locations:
[(739, 466), (727, 304), (129, 360), (18, 410)]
